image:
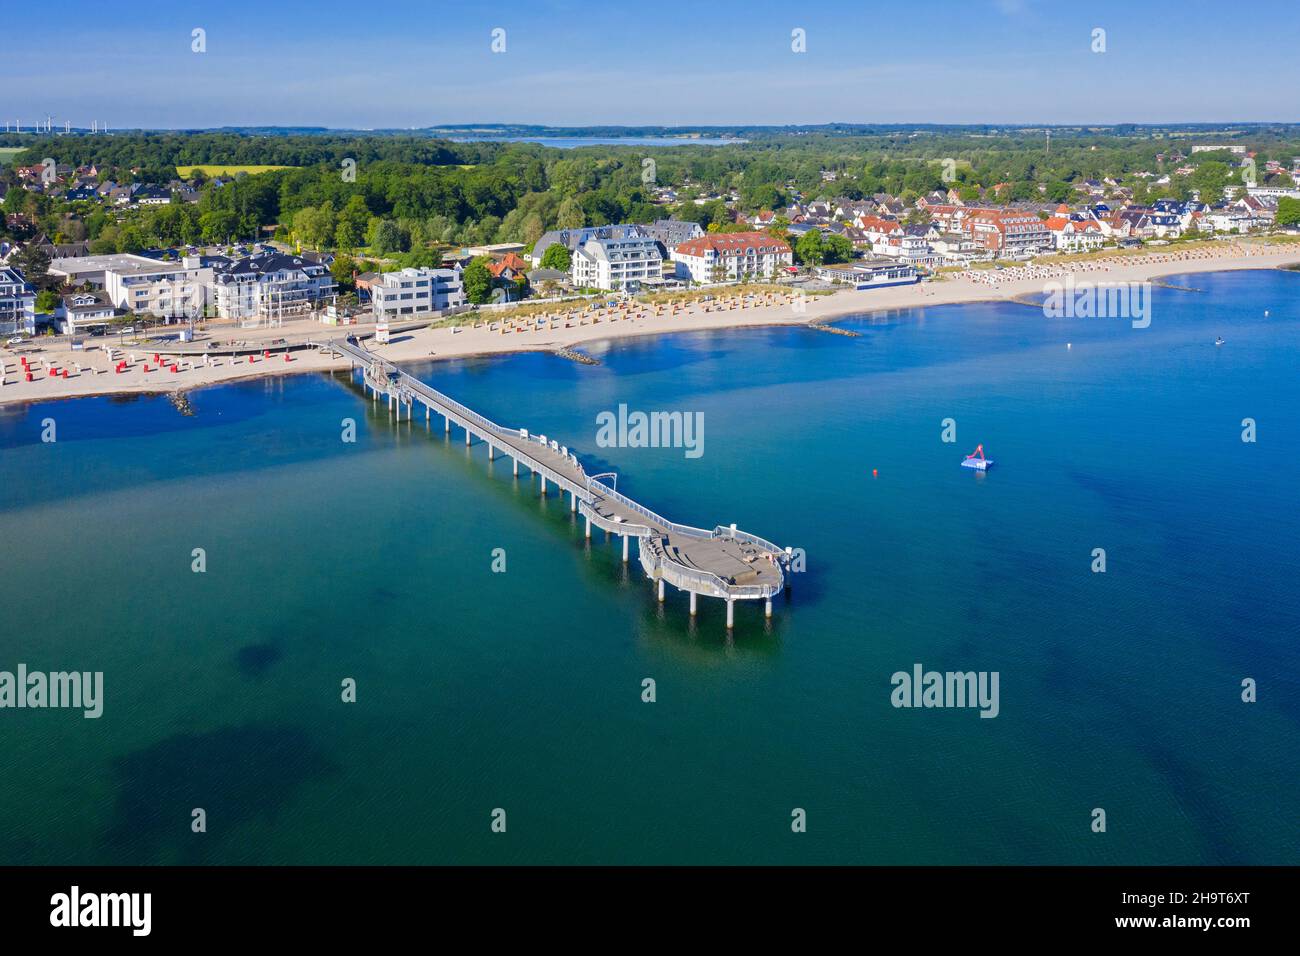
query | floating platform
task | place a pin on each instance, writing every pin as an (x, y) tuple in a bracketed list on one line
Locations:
[(977, 460)]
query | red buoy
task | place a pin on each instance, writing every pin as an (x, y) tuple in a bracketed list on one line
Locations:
[(875, 473)]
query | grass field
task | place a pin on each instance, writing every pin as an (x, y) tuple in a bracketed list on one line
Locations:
[(219, 170), (7, 153)]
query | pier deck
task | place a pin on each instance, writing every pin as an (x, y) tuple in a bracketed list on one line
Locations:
[(723, 563)]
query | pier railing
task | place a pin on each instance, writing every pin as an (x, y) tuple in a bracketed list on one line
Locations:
[(657, 563), (734, 533), (385, 377)]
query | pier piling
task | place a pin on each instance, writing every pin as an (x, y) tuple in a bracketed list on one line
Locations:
[(695, 560)]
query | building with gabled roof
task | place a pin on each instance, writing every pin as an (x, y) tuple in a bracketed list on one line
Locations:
[(270, 285), (617, 262), (571, 239), (732, 255)]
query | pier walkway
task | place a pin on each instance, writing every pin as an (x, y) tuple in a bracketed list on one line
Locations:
[(723, 563)]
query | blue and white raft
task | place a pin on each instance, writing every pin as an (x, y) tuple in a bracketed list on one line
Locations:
[(977, 460)]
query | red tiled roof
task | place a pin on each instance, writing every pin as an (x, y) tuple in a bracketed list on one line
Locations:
[(878, 224), (732, 243), (512, 261)]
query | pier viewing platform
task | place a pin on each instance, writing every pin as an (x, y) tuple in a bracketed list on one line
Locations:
[(724, 563)]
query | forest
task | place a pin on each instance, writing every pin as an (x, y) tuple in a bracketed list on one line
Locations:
[(392, 194)]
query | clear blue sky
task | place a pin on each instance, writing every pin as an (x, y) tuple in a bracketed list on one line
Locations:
[(580, 62)]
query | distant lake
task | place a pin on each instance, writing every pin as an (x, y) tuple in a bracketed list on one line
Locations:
[(572, 142)]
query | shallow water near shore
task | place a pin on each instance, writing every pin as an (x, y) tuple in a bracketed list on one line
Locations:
[(523, 690)]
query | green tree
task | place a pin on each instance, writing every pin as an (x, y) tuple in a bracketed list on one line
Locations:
[(477, 281), (47, 301), (424, 258), (313, 226), (838, 248), (1209, 180), (1059, 192), (570, 215), (810, 249), (341, 270), (557, 257), (386, 237), (34, 264), (1288, 212), (218, 225), (350, 233), (532, 228)]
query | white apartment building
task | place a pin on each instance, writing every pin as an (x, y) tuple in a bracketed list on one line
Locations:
[(270, 285), (86, 312), (17, 303), (169, 290), (731, 256), (416, 292), (616, 263)]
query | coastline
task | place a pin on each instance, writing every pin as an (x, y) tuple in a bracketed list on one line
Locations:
[(91, 376)]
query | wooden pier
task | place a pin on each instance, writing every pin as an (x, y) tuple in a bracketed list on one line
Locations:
[(724, 563)]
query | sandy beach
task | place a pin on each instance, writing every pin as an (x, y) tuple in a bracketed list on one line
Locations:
[(103, 368)]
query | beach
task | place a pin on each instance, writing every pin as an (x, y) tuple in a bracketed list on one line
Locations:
[(59, 372)]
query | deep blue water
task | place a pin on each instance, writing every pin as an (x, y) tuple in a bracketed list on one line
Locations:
[(522, 690)]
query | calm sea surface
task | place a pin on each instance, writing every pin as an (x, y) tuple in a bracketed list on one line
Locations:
[(522, 690)]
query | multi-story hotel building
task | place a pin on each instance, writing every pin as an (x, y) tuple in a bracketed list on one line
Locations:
[(1003, 231), (616, 263), (270, 285), (416, 292), (1009, 232), (731, 256), (168, 290), (17, 303)]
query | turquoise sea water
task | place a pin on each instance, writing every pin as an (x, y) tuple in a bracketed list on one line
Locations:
[(522, 690)]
